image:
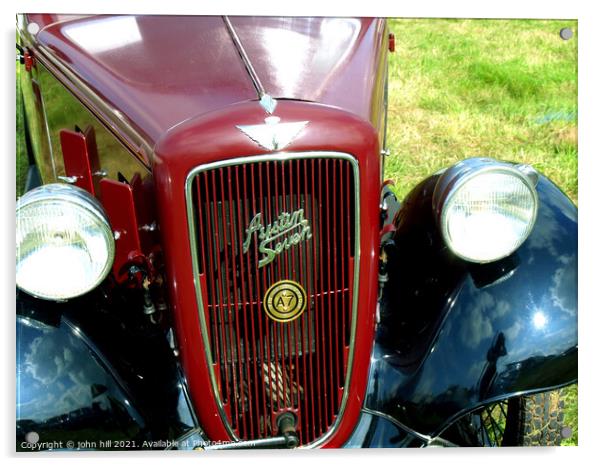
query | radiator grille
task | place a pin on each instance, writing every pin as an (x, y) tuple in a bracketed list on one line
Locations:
[(263, 367)]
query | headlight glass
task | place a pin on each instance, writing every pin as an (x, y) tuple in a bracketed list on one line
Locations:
[(487, 210), (65, 245)]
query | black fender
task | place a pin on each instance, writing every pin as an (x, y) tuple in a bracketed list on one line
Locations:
[(454, 336), (377, 430), (87, 375)]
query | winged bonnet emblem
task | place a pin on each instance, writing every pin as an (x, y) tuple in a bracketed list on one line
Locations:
[(272, 134)]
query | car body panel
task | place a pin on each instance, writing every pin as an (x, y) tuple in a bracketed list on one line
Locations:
[(200, 68), (64, 392), (375, 430), (332, 61), (84, 376), (455, 336), (214, 137)]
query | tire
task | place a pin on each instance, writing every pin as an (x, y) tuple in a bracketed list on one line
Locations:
[(535, 420), (541, 418)]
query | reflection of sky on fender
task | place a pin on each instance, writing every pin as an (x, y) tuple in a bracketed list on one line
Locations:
[(544, 324), (51, 381), (547, 316), (58, 374)]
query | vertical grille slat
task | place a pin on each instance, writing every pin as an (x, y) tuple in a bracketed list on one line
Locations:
[(323, 393), (344, 249), (261, 326), (218, 296), (310, 421), (249, 343), (240, 346), (263, 367), (316, 395), (331, 285)]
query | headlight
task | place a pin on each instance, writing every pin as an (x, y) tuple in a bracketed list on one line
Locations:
[(65, 245), (486, 209)]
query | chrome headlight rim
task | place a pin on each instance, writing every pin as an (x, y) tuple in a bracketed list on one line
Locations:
[(80, 199), (453, 179), (64, 192)]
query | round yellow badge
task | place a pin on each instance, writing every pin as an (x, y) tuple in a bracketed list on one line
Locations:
[(285, 301)]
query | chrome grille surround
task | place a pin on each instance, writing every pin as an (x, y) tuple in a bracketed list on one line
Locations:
[(192, 229)]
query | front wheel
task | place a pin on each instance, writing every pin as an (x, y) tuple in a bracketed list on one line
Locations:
[(535, 420)]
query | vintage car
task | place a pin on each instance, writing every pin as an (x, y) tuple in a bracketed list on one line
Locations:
[(208, 256)]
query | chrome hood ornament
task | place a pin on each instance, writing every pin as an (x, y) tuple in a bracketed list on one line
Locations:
[(273, 135), (268, 103)]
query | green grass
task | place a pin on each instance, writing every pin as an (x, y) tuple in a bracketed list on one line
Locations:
[(500, 88), (21, 156), (570, 416)]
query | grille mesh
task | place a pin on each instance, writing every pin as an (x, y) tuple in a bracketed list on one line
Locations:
[(264, 367)]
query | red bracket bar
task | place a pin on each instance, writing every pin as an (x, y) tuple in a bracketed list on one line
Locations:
[(28, 60), (81, 158), (118, 201)]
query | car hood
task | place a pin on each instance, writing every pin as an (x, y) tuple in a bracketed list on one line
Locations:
[(158, 71)]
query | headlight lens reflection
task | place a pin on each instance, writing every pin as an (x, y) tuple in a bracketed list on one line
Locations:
[(65, 245)]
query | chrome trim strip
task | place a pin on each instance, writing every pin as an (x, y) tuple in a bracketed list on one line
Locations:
[(279, 156), (271, 442), (191, 440), (245, 58), (425, 438), (109, 116), (47, 129)]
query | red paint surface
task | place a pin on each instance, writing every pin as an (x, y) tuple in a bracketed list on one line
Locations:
[(215, 137), (118, 201), (183, 87), (80, 156), (28, 60), (167, 69), (144, 203), (333, 61)]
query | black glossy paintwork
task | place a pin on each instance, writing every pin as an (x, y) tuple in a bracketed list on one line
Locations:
[(65, 393), (455, 335), (376, 431), (92, 370)]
